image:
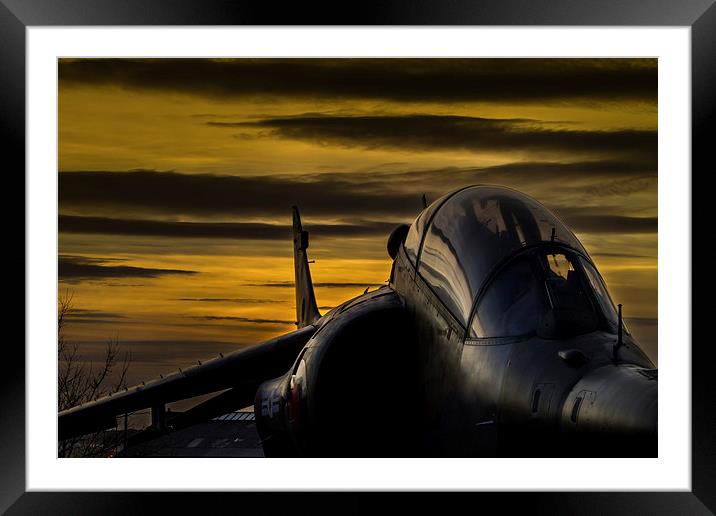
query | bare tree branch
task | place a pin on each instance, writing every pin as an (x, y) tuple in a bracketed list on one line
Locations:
[(79, 382)]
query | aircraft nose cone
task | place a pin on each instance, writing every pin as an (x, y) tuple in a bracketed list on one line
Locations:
[(616, 405)]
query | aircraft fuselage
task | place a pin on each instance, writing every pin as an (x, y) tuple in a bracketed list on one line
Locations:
[(526, 396)]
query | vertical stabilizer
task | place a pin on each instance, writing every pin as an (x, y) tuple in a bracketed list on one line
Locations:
[(306, 308)]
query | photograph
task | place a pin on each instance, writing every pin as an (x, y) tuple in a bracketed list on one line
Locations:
[(357, 257)]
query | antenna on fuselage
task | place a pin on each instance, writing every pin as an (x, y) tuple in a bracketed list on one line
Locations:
[(425, 202)]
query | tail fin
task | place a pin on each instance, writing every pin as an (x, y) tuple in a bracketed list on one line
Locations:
[(306, 308)]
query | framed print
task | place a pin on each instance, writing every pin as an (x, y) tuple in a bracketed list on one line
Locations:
[(528, 170)]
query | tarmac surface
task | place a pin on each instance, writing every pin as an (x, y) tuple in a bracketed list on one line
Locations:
[(231, 435)]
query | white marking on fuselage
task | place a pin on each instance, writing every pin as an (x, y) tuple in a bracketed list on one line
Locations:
[(490, 422)]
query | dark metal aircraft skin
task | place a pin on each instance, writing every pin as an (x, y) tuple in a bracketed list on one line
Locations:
[(495, 336)]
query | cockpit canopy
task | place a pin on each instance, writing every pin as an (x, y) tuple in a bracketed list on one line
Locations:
[(461, 240)]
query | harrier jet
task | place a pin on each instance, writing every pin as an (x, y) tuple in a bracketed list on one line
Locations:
[(495, 336)]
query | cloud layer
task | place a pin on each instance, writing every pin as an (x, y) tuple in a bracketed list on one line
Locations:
[(356, 197), (232, 230), (396, 80), (441, 132), (76, 268)]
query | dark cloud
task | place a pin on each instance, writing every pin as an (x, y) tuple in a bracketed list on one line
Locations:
[(84, 320), (525, 173), (363, 195), (438, 132), (586, 220), (621, 187), (549, 181), (76, 268), (339, 284), (166, 352), (239, 319), (237, 300), (642, 320), (88, 316), (355, 197), (621, 255), (439, 80), (290, 284), (612, 224), (236, 230), (207, 194), (86, 312)]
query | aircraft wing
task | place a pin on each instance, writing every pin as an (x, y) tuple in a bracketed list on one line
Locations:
[(241, 372)]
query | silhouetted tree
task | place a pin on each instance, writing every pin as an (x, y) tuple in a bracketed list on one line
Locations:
[(80, 381)]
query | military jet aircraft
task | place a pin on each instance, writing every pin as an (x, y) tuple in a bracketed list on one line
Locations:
[(495, 336)]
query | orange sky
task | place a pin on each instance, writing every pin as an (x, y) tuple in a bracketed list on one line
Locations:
[(177, 177)]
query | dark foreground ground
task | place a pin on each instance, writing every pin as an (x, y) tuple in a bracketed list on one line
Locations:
[(231, 435)]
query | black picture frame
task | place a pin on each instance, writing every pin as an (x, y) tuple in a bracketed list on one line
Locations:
[(699, 15)]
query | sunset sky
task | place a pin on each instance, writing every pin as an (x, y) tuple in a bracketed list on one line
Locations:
[(176, 179)]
